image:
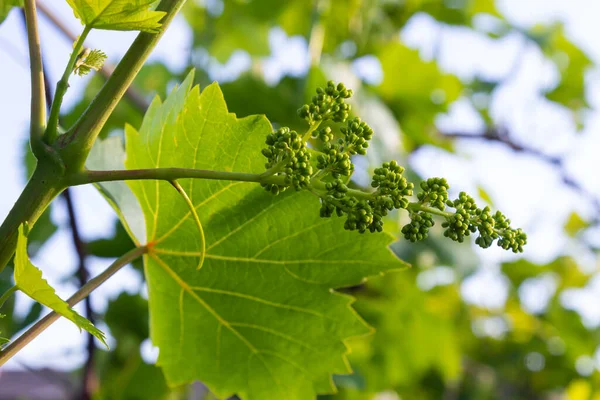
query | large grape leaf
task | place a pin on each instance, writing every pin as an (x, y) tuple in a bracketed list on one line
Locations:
[(29, 280), (257, 317), (117, 15)]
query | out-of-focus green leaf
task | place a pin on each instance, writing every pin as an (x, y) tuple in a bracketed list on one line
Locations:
[(247, 24), (32, 315), (7, 325), (251, 95), (458, 12), (124, 113), (123, 373), (112, 247), (579, 390), (416, 91), (6, 6), (28, 279), (575, 224), (415, 333), (484, 195), (572, 64), (134, 380), (566, 268), (128, 315), (153, 79), (118, 15)]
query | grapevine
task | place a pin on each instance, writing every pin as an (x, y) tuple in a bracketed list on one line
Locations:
[(321, 161)]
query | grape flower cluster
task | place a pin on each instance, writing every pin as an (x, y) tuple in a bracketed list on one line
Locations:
[(320, 161)]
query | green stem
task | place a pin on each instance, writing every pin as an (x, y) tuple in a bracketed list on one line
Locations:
[(7, 294), (431, 210), (14, 347), (61, 88), (77, 142), (44, 185), (445, 214), (38, 90), (310, 130), (73, 147), (166, 174)]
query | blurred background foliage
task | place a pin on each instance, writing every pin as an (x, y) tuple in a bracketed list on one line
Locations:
[(430, 342)]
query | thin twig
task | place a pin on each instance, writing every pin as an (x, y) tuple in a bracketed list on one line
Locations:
[(62, 86), (82, 271), (33, 332), (502, 136), (89, 376)]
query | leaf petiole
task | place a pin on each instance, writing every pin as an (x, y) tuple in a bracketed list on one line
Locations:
[(167, 174), (61, 88)]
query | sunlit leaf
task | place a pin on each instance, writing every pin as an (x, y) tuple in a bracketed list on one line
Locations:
[(28, 279), (117, 15), (260, 306)]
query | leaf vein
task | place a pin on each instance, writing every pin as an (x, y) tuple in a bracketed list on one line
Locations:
[(201, 301), (259, 300)]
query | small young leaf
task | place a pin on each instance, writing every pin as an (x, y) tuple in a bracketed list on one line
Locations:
[(575, 224), (90, 59), (117, 15), (28, 279)]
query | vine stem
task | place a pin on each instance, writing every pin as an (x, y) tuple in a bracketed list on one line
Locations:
[(33, 332), (73, 148), (7, 294), (38, 90), (88, 385), (431, 210), (78, 141), (61, 88), (166, 174)]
